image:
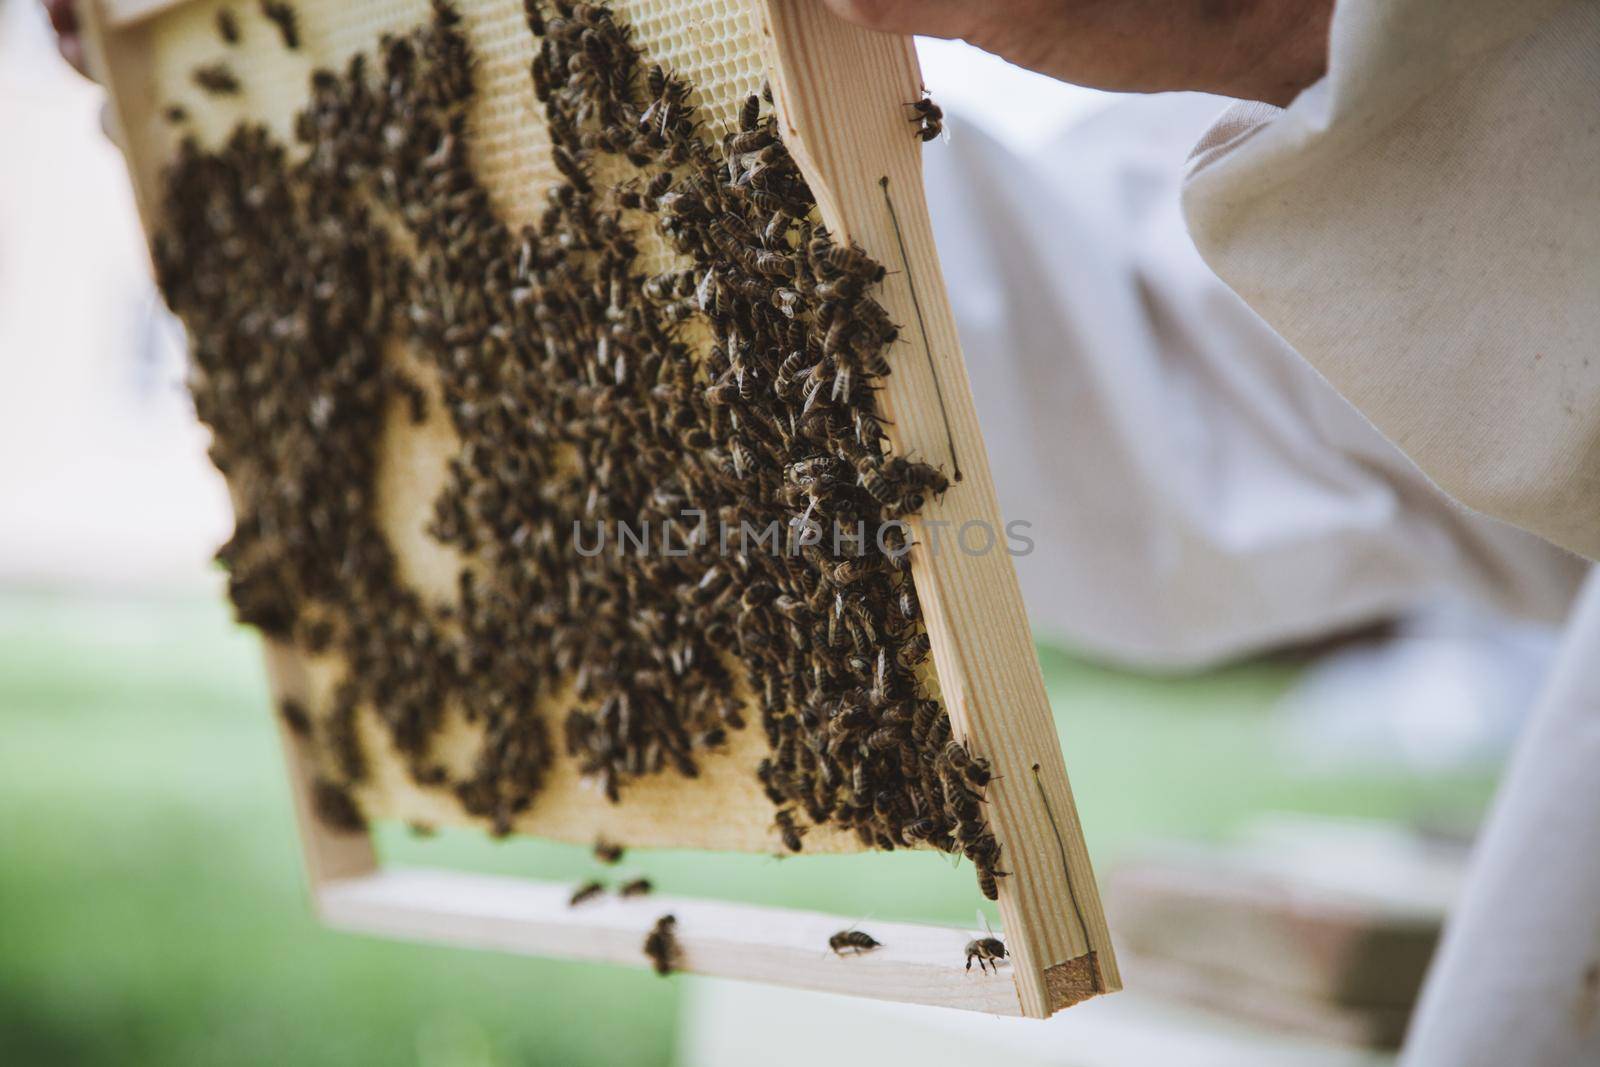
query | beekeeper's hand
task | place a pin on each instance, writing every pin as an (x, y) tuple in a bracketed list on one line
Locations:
[(1250, 49)]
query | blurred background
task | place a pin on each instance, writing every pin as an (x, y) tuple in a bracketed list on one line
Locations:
[(151, 900)]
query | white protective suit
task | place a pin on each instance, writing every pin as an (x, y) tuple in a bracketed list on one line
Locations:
[(1423, 227), (1196, 491)]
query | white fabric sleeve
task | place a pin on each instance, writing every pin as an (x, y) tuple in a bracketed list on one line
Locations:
[(1517, 978), (1423, 226), (1195, 491)]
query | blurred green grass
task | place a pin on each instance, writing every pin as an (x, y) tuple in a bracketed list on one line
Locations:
[(151, 903)]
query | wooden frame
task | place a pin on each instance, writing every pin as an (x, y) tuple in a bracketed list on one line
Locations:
[(841, 94)]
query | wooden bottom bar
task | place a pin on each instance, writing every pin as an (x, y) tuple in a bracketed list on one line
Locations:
[(918, 963)]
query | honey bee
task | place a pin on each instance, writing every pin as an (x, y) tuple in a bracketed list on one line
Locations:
[(842, 287), (750, 113), (431, 776), (283, 15), (987, 884), (789, 830), (977, 772), (873, 363), (883, 739), (638, 887), (661, 945), (914, 651), (217, 79), (336, 808), (842, 259), (606, 852), (534, 16), (852, 942), (227, 25), (929, 118), (988, 951), (295, 717), (585, 892)]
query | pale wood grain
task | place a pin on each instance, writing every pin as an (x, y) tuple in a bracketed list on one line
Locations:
[(918, 963), (841, 93)]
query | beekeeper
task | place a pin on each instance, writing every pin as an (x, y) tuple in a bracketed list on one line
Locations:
[(1409, 197)]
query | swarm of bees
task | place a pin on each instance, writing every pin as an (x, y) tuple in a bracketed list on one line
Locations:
[(579, 394)]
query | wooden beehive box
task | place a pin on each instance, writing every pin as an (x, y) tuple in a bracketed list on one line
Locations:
[(841, 99)]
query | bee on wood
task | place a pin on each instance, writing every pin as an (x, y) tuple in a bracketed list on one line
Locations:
[(217, 79), (283, 15), (977, 772), (445, 14), (988, 951), (344, 740), (606, 852), (853, 942), (661, 945), (637, 887), (336, 808), (987, 884), (430, 776), (295, 717), (842, 259), (914, 651), (789, 830), (873, 363), (842, 287), (534, 16), (540, 75), (929, 118), (585, 892), (227, 25)]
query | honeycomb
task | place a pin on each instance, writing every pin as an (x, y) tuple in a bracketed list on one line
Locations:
[(715, 47), (713, 44)]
